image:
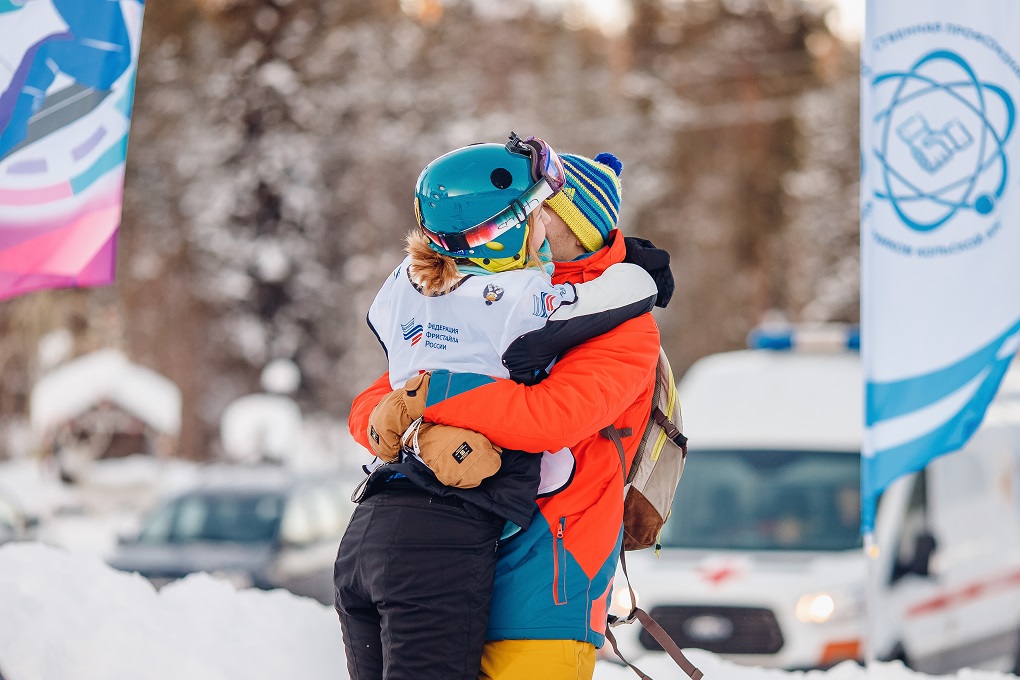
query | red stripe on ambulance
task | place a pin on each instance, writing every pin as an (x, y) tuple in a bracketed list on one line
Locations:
[(965, 595)]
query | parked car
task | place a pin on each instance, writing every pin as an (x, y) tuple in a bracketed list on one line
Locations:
[(256, 528), (762, 561)]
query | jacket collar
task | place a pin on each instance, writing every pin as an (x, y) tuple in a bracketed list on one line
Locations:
[(591, 267)]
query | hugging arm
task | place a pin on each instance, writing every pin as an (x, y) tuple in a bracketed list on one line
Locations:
[(586, 390), (361, 409), (587, 310)]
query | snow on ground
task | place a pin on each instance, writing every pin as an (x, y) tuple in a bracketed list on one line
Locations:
[(68, 616)]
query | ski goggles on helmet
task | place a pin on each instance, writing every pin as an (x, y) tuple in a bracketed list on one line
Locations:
[(545, 163), (549, 176)]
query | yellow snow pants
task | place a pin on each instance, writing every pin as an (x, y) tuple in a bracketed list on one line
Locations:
[(531, 659)]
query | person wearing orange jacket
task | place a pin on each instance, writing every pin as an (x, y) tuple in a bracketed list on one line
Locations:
[(554, 579)]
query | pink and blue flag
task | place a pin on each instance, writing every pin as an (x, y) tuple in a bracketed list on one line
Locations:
[(67, 72)]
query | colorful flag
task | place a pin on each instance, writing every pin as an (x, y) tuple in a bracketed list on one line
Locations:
[(940, 226), (67, 70)]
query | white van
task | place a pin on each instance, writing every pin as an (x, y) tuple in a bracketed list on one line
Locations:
[(762, 561)]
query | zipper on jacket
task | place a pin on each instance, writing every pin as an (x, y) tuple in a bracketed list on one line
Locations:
[(560, 564)]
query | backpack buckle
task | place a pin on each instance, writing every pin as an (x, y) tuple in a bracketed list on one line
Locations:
[(615, 620)]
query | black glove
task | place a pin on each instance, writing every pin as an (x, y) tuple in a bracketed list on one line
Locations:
[(655, 261)]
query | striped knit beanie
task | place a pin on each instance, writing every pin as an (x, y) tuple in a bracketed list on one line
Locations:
[(590, 200)]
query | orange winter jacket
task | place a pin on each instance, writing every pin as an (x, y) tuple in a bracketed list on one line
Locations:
[(553, 580)]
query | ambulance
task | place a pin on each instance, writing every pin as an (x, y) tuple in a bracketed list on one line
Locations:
[(762, 561)]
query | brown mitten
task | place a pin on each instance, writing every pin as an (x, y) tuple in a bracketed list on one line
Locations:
[(458, 457), (394, 414)]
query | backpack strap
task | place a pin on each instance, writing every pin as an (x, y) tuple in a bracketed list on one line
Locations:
[(612, 640), (663, 638), (653, 628), (672, 431), (610, 432), (649, 624)]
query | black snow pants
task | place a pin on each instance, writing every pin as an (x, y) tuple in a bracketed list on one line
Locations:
[(413, 580)]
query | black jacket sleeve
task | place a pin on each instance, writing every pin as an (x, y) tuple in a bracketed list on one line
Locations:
[(622, 292)]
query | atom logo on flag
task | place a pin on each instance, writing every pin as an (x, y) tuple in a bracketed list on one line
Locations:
[(941, 138)]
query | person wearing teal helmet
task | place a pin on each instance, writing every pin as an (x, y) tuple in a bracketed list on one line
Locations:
[(414, 572), (474, 203)]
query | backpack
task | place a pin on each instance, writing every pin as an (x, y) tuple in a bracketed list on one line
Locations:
[(649, 487), (651, 483)]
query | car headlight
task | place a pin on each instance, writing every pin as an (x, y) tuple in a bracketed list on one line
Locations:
[(238, 579), (823, 607), (621, 605)]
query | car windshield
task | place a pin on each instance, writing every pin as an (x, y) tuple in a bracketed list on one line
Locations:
[(233, 518), (767, 500)]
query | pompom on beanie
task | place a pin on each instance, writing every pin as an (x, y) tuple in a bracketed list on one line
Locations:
[(590, 200)]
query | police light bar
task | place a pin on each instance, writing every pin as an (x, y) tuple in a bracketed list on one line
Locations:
[(807, 338)]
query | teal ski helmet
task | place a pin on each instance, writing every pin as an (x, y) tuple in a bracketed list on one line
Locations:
[(474, 202)]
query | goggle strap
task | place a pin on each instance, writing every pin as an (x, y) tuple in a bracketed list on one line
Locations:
[(544, 192), (459, 245), (538, 193)]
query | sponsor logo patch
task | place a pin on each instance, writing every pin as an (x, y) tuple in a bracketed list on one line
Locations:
[(462, 452), (567, 292), (545, 304), (492, 293), (412, 332)]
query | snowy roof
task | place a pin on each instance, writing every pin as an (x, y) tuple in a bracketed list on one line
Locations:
[(105, 376)]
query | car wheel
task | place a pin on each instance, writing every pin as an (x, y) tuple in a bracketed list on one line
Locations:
[(898, 654), (1016, 657)]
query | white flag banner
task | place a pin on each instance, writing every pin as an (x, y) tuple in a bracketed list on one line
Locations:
[(940, 226)]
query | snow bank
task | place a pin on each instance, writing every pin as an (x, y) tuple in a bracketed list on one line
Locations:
[(70, 617)]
